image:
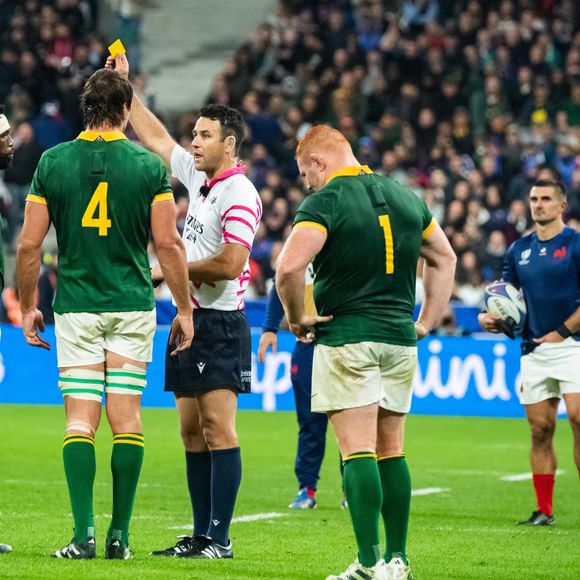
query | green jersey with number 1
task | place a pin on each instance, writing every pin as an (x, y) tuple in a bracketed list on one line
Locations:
[(365, 272), (99, 190)]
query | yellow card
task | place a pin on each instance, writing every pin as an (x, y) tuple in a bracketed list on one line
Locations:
[(117, 48)]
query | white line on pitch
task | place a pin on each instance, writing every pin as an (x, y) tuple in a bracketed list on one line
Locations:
[(525, 476), (507, 529), (242, 519), (256, 517), (430, 490)]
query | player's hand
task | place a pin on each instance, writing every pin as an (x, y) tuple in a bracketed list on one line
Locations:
[(304, 330), (181, 333), (119, 64), (550, 337), (157, 275), (32, 322), (421, 330), (267, 340), (490, 322)]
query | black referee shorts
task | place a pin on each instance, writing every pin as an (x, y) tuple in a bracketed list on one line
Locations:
[(220, 355)]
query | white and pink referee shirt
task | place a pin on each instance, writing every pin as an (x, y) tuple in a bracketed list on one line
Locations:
[(229, 214)]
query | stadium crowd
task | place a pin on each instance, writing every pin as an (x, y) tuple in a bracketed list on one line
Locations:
[(466, 103), (463, 102)]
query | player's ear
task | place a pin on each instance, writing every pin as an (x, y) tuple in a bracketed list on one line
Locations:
[(318, 161)]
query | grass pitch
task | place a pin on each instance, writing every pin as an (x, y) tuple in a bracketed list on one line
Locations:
[(465, 531)]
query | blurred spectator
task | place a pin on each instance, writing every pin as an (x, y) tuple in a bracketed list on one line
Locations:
[(447, 325), (18, 177), (128, 26), (51, 127), (494, 253)]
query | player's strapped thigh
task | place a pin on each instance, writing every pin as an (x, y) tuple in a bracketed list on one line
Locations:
[(126, 380), (80, 383)]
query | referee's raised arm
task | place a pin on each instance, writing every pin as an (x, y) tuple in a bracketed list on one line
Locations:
[(150, 130)]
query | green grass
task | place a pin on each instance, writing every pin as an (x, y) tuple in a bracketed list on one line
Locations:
[(467, 532)]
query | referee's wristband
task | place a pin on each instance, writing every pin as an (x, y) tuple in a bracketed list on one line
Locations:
[(564, 331)]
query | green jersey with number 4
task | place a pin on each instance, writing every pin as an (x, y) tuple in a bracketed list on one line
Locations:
[(365, 272), (99, 190)]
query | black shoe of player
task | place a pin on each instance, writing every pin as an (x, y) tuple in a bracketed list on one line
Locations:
[(185, 545), (538, 519), (77, 550), (210, 550), (116, 550)]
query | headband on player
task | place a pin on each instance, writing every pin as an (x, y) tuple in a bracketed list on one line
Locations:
[(4, 124)]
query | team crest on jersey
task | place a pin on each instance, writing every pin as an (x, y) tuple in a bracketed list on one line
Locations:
[(560, 252), (525, 257)]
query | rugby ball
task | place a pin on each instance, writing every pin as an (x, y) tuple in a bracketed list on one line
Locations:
[(506, 301)]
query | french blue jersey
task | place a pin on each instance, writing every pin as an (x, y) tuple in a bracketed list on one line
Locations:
[(548, 272)]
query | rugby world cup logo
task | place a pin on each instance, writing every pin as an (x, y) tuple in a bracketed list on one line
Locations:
[(525, 257)]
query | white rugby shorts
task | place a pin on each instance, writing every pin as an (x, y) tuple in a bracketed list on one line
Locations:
[(550, 371), (83, 337), (363, 373)]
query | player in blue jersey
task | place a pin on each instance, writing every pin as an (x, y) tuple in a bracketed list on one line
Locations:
[(546, 266), (312, 433)]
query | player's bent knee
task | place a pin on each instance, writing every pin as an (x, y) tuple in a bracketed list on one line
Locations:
[(83, 384), (126, 380)]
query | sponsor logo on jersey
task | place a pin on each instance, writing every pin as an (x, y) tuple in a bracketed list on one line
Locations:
[(525, 257), (543, 251), (560, 252), (246, 376), (193, 227)]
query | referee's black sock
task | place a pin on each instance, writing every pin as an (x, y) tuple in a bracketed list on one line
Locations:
[(226, 474), (198, 469)]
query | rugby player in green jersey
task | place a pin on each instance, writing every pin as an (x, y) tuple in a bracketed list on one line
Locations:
[(103, 194), (365, 234), (6, 155)]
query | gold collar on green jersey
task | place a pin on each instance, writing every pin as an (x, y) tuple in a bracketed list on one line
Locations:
[(349, 172), (102, 136)]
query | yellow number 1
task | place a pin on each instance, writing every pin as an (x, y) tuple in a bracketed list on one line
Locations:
[(390, 250), (99, 200)]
